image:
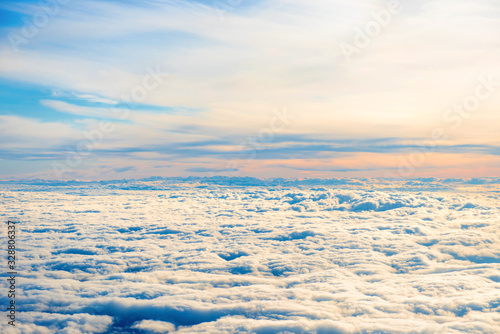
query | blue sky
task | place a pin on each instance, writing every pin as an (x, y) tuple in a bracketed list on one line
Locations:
[(250, 88)]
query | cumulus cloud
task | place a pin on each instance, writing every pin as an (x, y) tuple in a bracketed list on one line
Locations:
[(150, 326), (205, 255)]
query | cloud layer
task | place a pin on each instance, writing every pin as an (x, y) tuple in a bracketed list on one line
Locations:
[(198, 256)]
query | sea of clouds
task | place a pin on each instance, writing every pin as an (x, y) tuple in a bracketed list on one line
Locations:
[(242, 255)]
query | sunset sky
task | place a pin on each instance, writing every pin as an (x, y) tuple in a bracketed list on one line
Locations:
[(281, 88)]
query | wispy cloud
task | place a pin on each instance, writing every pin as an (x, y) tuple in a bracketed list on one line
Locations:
[(262, 57)]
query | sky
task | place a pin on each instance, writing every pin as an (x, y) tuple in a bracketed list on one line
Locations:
[(98, 90)]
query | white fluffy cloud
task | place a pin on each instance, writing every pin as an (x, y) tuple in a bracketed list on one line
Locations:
[(202, 256)]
